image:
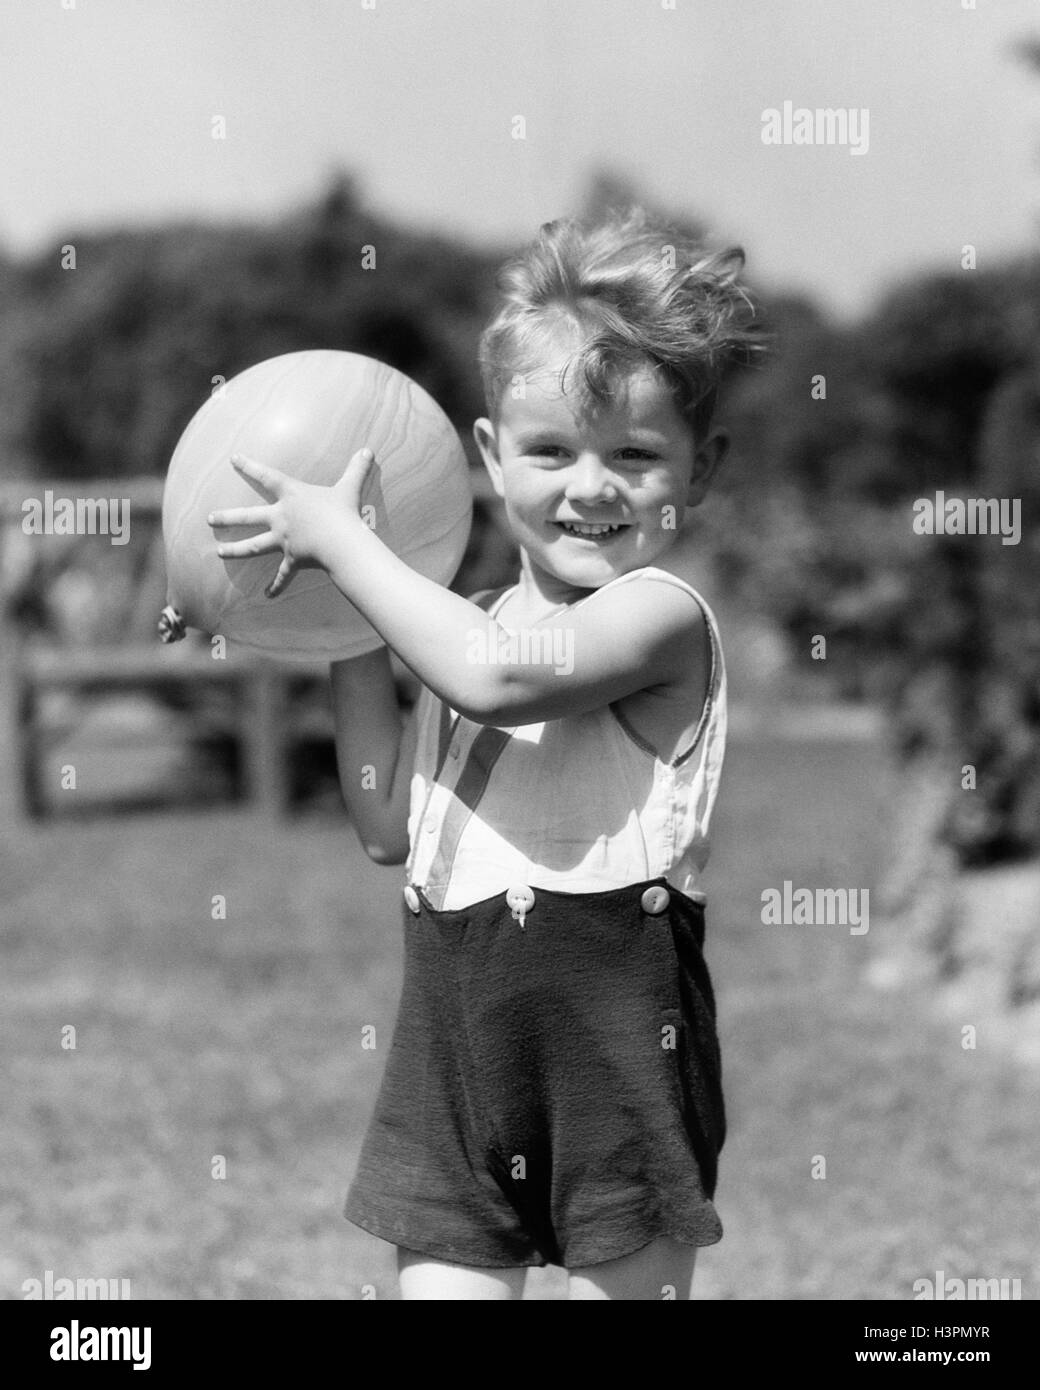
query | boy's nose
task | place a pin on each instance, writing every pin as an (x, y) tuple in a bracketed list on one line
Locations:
[(590, 481)]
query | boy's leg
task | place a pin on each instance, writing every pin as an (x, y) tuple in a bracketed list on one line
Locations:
[(662, 1269), (421, 1277)]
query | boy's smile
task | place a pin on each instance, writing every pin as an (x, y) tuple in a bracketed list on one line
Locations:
[(593, 490)]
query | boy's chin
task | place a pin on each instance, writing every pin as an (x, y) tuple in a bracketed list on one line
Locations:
[(587, 572)]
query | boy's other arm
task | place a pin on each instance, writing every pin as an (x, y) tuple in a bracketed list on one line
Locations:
[(375, 753)]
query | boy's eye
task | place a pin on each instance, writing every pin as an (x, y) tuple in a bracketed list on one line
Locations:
[(555, 450)]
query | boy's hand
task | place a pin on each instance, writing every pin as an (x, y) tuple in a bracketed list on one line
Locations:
[(304, 520)]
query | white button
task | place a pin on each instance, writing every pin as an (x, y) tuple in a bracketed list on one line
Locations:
[(411, 897), (655, 900), (430, 823), (520, 898)]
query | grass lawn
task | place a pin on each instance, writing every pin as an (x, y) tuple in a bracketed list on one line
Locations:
[(242, 1038)]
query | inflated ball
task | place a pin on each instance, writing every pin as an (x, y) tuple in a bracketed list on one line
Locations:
[(307, 414)]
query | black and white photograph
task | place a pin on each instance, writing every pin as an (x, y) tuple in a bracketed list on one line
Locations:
[(520, 675)]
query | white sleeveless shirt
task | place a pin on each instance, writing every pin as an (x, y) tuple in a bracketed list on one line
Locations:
[(580, 804)]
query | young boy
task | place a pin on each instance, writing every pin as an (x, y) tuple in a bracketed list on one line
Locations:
[(553, 1089)]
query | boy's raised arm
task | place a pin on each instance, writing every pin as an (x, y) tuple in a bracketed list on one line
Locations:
[(375, 752)]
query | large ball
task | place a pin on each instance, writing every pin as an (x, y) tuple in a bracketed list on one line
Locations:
[(307, 413)]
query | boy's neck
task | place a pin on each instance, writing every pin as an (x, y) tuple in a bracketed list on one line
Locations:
[(538, 590)]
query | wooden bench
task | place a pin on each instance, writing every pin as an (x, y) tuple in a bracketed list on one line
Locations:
[(132, 656), (260, 726)]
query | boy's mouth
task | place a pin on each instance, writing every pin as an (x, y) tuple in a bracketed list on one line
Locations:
[(591, 530)]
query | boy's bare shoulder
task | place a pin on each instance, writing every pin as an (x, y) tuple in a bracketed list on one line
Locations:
[(661, 622)]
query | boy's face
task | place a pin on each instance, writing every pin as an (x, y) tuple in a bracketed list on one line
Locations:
[(566, 471)]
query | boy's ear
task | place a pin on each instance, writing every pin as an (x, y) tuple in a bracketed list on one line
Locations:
[(487, 443), (707, 461)]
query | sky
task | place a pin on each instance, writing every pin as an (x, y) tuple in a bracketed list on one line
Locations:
[(108, 110)]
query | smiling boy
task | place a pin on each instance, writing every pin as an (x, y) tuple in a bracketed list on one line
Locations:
[(553, 1088)]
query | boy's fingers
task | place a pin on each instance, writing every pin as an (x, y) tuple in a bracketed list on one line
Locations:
[(261, 478), (239, 516), (255, 545), (363, 459), (282, 580)]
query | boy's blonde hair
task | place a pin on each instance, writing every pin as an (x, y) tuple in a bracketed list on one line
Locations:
[(637, 292)]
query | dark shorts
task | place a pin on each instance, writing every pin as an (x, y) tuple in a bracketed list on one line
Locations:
[(553, 1089)]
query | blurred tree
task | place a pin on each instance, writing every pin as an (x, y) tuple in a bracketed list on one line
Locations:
[(120, 352), (1002, 716), (936, 349), (963, 368)]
